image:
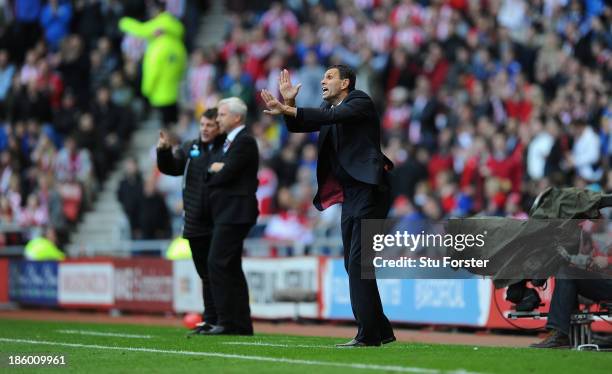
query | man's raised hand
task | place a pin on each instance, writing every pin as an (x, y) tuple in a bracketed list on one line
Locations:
[(287, 90), (274, 106), (163, 142)]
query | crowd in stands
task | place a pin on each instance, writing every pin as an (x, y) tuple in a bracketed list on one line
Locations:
[(483, 104), (68, 83)]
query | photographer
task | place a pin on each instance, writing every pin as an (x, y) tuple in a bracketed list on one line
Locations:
[(570, 283)]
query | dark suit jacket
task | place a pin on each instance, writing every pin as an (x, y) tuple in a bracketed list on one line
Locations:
[(232, 190), (358, 143)]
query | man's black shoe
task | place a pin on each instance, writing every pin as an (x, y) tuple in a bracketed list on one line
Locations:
[(220, 330), (200, 329), (554, 339), (388, 340), (356, 344)]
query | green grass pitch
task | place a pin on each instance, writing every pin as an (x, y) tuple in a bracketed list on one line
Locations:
[(102, 348)]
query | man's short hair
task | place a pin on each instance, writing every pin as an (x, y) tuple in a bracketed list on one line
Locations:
[(235, 105), (210, 113), (346, 73)]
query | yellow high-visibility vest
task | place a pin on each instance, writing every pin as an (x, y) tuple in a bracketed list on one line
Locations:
[(179, 249), (43, 249)]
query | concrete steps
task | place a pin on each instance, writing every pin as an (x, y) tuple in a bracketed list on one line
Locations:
[(212, 26)]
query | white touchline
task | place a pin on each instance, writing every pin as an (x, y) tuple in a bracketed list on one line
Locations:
[(98, 333), (280, 345), (405, 369)]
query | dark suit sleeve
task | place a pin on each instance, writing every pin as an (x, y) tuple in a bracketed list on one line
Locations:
[(350, 111), (296, 124), (240, 154), (171, 163)]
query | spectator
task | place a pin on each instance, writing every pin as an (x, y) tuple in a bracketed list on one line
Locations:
[(278, 20), (288, 224), (309, 76), (154, 218), (538, 151), (33, 214), (7, 70), (585, 154), (26, 29), (201, 75), (66, 117), (121, 94), (74, 66), (55, 18), (50, 84), (164, 60), (73, 164), (237, 83), (130, 195)]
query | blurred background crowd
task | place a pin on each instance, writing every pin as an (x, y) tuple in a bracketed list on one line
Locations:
[(69, 89), (483, 103)]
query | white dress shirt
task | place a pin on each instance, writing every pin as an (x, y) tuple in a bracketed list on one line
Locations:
[(231, 136)]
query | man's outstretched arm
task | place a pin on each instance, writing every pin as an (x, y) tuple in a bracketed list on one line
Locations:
[(293, 121)]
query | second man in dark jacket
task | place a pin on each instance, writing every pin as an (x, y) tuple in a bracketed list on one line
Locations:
[(232, 183), (191, 161)]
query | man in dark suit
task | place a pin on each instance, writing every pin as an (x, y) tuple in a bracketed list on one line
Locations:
[(232, 183), (351, 170), (191, 161)]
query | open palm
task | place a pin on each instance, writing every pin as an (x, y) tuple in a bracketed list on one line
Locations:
[(274, 106), (287, 90)]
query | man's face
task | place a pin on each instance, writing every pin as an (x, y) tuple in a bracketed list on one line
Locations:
[(209, 129), (227, 120), (332, 85)]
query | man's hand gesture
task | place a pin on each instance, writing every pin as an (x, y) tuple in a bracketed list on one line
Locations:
[(287, 90), (274, 106), (164, 141)]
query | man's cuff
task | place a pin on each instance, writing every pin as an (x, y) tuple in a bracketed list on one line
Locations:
[(298, 118)]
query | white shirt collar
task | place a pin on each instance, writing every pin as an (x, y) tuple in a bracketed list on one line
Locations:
[(337, 104), (232, 134)]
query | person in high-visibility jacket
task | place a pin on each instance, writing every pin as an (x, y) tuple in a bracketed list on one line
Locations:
[(178, 249), (164, 61), (43, 248)]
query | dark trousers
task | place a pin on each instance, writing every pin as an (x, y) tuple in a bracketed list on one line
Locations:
[(363, 201), (565, 297), (227, 281), (169, 114), (200, 250)]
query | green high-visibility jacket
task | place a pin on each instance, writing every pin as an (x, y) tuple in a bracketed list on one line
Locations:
[(179, 249), (165, 59), (42, 249)]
